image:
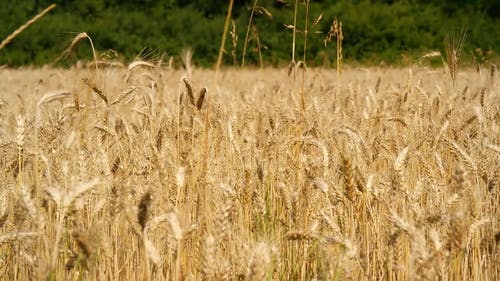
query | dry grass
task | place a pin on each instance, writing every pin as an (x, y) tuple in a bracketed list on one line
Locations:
[(391, 178)]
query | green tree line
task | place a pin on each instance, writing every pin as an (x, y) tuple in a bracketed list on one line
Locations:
[(374, 31)]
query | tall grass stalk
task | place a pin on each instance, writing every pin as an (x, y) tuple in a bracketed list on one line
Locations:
[(23, 27), (247, 33), (306, 33), (224, 34)]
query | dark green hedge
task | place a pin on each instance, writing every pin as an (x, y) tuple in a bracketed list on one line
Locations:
[(394, 32)]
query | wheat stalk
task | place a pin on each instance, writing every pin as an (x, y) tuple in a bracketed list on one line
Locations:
[(224, 34), (76, 40), (454, 43), (245, 43), (23, 27)]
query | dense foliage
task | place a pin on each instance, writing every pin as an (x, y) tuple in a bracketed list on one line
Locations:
[(375, 31)]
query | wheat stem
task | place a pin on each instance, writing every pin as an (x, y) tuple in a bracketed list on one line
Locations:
[(23, 27)]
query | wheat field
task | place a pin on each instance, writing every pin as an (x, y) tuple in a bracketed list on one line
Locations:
[(153, 173)]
